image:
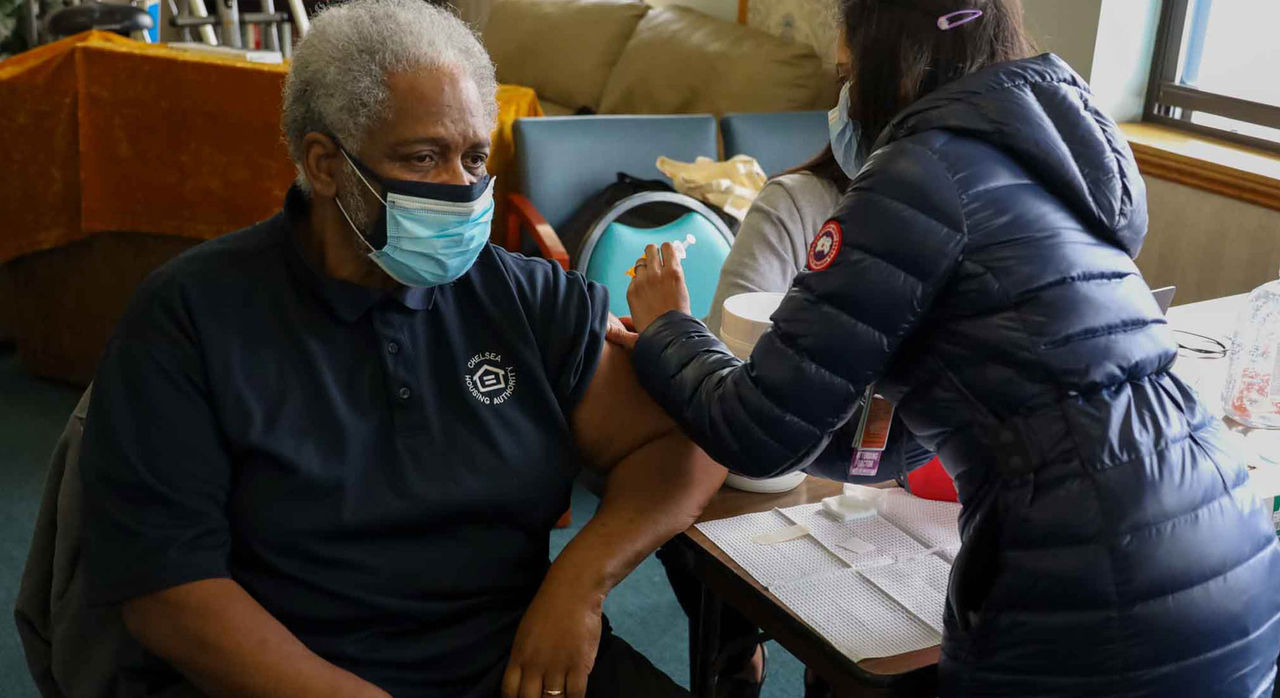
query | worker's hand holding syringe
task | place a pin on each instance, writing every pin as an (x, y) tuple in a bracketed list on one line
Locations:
[(657, 288), (677, 245)]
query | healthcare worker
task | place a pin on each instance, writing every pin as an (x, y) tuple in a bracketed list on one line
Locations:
[(1110, 547)]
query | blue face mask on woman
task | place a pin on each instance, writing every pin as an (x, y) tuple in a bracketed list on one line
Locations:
[(430, 234), (845, 134)]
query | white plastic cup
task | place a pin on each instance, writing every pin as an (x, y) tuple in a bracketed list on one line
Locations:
[(746, 318), (744, 321), (742, 350)]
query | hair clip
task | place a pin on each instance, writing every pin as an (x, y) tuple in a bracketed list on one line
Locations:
[(951, 20)]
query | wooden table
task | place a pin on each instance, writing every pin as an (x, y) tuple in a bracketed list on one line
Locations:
[(725, 582)]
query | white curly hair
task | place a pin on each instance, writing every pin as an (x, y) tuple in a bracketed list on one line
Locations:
[(337, 81)]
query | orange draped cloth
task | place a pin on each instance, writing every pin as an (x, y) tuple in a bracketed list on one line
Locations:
[(101, 133)]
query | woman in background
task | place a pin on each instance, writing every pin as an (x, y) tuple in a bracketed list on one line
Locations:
[(979, 274), (771, 244), (770, 247)]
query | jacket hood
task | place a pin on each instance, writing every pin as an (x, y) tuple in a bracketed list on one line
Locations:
[(1041, 113)]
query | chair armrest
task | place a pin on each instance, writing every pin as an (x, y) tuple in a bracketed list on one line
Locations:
[(521, 214)]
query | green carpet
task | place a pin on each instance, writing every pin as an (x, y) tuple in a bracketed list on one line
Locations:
[(32, 414)]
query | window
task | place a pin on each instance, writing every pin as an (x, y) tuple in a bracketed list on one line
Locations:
[(1214, 69)]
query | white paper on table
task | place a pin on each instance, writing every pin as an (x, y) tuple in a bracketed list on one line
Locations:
[(769, 564), (1264, 480), (880, 603), (855, 616), (933, 524), (891, 543), (919, 584), (780, 535), (856, 545)]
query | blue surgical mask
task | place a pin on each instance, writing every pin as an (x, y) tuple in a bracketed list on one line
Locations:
[(428, 234), (845, 134)]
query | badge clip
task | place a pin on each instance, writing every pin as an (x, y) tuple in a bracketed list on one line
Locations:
[(872, 437)]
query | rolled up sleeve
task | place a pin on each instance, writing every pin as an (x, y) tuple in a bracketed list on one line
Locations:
[(568, 315)]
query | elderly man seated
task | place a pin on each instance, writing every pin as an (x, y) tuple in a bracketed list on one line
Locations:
[(324, 453)]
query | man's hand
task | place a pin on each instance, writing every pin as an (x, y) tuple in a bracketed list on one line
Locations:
[(658, 287), (621, 332), (556, 643), (657, 483)]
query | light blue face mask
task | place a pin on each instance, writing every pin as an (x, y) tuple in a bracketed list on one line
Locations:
[(431, 233), (845, 134)]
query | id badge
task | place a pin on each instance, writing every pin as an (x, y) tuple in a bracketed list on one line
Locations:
[(873, 435)]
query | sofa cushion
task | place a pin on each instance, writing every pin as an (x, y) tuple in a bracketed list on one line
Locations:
[(563, 49), (682, 61), (550, 108)]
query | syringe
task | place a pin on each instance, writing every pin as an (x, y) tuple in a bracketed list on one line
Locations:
[(679, 247)]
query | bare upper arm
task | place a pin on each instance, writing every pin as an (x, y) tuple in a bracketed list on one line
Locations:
[(142, 614), (615, 416)]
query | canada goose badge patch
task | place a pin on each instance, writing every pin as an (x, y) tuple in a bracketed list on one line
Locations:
[(825, 246)]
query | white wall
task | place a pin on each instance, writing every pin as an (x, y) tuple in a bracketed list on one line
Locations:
[(1065, 27), (1207, 245), (1121, 62), (1109, 42)]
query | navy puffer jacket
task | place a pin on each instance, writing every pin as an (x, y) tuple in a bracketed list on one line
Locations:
[(981, 275)]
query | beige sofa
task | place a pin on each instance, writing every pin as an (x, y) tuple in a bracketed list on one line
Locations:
[(624, 57)]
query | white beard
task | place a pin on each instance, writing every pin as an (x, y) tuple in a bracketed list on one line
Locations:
[(356, 205)]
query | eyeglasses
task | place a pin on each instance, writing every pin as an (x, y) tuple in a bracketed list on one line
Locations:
[(1200, 346)]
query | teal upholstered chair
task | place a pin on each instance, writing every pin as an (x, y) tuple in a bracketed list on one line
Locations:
[(779, 141), (562, 161), (611, 248)]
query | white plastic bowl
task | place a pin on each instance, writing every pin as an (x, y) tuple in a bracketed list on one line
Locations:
[(746, 316), (768, 485)]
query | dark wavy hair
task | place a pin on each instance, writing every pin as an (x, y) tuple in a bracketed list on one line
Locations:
[(898, 55)]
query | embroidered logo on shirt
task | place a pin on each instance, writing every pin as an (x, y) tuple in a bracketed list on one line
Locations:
[(825, 246), (490, 380)]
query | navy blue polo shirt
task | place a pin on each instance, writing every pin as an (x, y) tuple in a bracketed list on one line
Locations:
[(380, 470)]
